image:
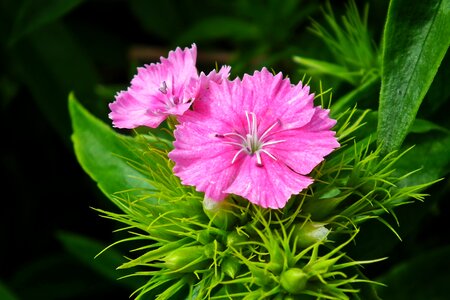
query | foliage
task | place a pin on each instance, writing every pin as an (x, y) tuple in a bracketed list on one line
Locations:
[(396, 150)]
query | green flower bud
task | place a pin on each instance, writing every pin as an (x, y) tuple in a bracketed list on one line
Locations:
[(204, 237), (234, 238), (309, 233), (230, 266), (294, 280), (187, 259), (262, 276), (212, 249), (220, 213)]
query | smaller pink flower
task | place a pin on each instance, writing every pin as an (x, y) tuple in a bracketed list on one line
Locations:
[(258, 138), (162, 89)]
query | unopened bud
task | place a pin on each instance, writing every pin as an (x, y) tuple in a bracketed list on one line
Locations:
[(235, 240), (186, 259), (309, 233), (294, 280), (220, 212), (230, 266)]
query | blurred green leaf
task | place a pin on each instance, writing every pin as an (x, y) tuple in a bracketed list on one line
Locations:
[(422, 277), (85, 249), (416, 39), (430, 156), (51, 64), (101, 152), (160, 18), (35, 14), (422, 126), (6, 293), (215, 28), (436, 101), (59, 276), (363, 93)]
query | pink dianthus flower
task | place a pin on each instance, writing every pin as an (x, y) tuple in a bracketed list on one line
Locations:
[(162, 89), (257, 137)]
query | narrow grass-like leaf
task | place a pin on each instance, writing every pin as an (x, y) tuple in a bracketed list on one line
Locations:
[(416, 38)]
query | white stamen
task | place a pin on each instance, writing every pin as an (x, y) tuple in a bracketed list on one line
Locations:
[(272, 143), (268, 154), (258, 159), (248, 122), (234, 134), (250, 143), (269, 129), (236, 155)]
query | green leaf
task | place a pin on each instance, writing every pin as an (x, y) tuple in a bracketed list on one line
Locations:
[(51, 63), (35, 14), (57, 275), (422, 126), (103, 154), (86, 249), (6, 293), (422, 277), (430, 156), (363, 92), (322, 67), (416, 38)]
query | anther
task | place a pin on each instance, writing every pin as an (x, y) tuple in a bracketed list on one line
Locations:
[(163, 88)]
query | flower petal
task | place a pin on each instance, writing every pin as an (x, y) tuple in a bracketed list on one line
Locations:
[(304, 148), (202, 160), (268, 186), (128, 112), (158, 90), (276, 99)]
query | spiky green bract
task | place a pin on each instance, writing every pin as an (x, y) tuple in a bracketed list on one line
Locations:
[(349, 41), (243, 251)]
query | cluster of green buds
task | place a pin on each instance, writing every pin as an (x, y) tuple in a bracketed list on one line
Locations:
[(195, 248)]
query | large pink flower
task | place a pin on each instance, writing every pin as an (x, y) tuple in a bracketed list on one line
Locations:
[(257, 137), (162, 89)]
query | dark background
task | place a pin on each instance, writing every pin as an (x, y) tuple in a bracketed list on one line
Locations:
[(93, 48)]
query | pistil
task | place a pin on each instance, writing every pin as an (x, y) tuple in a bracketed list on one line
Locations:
[(250, 142)]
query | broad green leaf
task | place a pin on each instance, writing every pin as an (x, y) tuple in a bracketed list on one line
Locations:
[(6, 293), (416, 38), (102, 153), (35, 14), (422, 277), (86, 250)]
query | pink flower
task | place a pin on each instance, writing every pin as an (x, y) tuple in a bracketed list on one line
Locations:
[(162, 89), (257, 138)]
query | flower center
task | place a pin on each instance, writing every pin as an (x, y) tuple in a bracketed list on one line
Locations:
[(170, 100), (251, 142)]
